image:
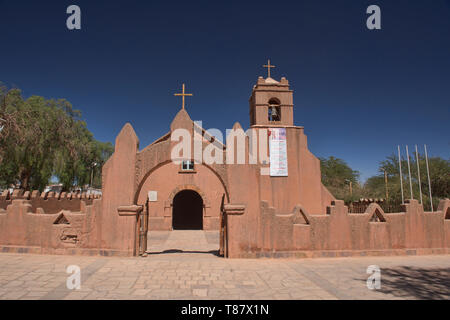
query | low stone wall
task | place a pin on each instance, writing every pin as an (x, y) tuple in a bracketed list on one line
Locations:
[(338, 233), (53, 224), (48, 202), (61, 224)]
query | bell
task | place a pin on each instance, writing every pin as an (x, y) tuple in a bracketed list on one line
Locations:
[(274, 112)]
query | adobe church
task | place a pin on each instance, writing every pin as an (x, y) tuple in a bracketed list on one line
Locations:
[(275, 208), (189, 194)]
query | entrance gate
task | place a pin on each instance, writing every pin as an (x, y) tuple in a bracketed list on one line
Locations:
[(186, 197)]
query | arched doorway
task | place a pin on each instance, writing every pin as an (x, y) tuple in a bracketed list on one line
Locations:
[(187, 211)]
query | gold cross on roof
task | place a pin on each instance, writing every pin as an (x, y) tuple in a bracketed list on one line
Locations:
[(183, 94), (268, 66)]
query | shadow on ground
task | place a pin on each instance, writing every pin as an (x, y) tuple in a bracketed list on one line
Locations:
[(212, 252), (416, 283)]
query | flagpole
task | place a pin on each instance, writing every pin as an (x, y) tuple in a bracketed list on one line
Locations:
[(409, 172), (418, 174), (428, 173), (401, 175)]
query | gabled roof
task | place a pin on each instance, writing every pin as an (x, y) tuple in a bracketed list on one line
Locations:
[(183, 120)]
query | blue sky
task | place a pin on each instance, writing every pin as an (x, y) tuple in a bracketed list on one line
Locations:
[(358, 93)]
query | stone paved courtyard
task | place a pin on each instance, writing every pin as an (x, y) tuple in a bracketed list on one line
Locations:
[(185, 265)]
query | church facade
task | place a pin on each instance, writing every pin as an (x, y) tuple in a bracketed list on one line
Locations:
[(263, 192), (157, 174), (194, 194)]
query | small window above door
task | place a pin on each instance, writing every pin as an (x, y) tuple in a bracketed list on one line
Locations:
[(187, 165)]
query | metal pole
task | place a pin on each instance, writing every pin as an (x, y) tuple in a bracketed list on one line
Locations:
[(409, 172), (92, 172), (428, 173), (418, 174), (351, 190), (386, 184), (145, 228), (401, 178), (92, 176)]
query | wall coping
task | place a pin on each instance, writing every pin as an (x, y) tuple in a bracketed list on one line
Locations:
[(132, 210), (234, 209)]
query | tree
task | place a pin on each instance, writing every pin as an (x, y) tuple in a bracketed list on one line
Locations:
[(338, 177), (439, 177), (101, 152), (44, 138)]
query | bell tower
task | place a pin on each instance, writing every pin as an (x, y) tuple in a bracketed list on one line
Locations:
[(271, 102)]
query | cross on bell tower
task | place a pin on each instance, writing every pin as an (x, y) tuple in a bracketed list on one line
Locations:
[(268, 66), (183, 94)]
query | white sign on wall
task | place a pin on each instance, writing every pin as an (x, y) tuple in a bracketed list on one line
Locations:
[(278, 152), (153, 196)]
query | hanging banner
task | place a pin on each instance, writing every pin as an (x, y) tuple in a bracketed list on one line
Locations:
[(278, 152)]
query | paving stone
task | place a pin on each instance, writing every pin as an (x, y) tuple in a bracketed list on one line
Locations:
[(202, 275)]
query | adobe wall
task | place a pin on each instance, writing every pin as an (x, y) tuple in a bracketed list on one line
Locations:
[(296, 216), (265, 216), (118, 229), (76, 224), (47, 202), (338, 233), (302, 186), (303, 183), (53, 224)]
